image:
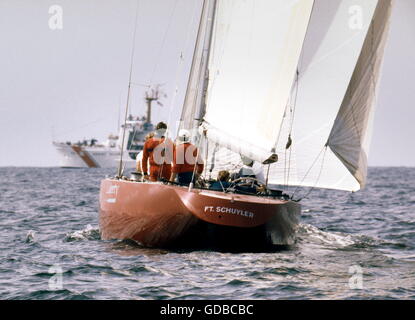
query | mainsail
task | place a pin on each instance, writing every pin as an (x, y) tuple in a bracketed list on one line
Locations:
[(296, 78)]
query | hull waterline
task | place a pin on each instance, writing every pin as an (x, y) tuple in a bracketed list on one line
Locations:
[(158, 215)]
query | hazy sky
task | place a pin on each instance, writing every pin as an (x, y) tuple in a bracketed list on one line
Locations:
[(69, 84)]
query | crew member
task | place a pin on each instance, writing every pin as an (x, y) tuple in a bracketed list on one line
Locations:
[(187, 163), (158, 151), (250, 169), (222, 183), (139, 159)]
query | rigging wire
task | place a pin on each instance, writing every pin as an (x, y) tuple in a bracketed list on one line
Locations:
[(120, 168), (196, 162), (181, 64), (293, 109), (88, 124), (156, 66), (192, 72), (206, 157), (319, 175), (179, 69), (323, 151)]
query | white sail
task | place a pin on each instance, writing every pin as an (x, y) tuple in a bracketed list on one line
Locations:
[(198, 77), (255, 51), (351, 133), (330, 67)]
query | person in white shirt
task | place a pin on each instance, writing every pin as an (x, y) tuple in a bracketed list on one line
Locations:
[(252, 169)]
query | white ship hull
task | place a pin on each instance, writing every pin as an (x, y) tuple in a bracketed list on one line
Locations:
[(74, 156)]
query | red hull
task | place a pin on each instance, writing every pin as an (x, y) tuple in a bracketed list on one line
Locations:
[(158, 215)]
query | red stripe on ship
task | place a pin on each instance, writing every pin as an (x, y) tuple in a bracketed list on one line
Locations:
[(86, 157)]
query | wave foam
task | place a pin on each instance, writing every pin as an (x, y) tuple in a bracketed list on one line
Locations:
[(89, 233), (309, 233)]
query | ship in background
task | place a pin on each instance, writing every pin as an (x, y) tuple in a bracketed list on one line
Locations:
[(93, 154)]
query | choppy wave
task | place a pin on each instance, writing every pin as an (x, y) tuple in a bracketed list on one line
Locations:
[(49, 228), (311, 234)]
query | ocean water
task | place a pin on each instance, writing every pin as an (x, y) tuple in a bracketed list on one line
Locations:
[(350, 246)]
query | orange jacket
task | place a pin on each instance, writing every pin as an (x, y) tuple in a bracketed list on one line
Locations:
[(158, 151), (184, 159)]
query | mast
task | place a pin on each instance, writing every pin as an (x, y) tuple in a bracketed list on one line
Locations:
[(208, 43), (120, 167), (194, 103), (153, 95), (149, 101)]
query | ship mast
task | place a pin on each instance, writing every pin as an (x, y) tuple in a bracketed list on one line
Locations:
[(152, 95), (149, 101)]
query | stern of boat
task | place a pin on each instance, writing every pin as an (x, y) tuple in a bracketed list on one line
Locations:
[(276, 219)]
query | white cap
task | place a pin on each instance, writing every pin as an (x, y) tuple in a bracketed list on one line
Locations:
[(184, 136)]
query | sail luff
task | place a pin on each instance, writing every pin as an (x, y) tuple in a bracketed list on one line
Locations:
[(194, 99), (205, 67), (187, 105)]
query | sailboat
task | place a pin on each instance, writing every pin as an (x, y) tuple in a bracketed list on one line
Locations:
[(290, 84)]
